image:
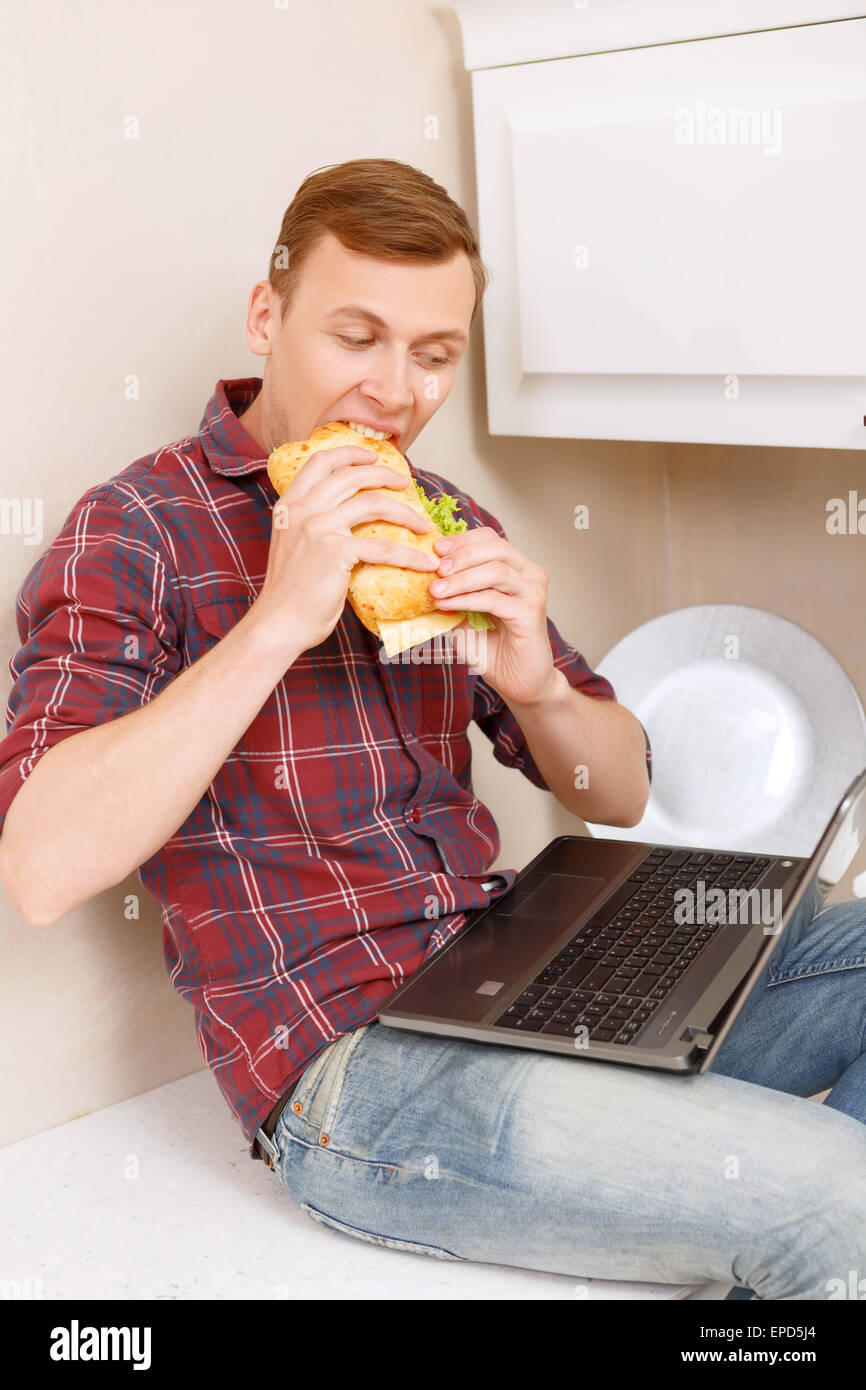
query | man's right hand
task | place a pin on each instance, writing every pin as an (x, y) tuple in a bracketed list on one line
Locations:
[(312, 549)]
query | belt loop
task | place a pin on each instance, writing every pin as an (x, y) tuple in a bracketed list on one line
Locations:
[(496, 881), (268, 1146)]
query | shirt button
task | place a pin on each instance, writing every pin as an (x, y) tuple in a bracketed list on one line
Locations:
[(416, 814)]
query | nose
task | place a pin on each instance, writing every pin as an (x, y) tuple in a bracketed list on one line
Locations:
[(389, 386)]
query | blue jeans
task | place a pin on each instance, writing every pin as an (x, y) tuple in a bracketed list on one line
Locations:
[(469, 1151)]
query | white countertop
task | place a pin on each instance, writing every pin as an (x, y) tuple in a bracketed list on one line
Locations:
[(156, 1198)]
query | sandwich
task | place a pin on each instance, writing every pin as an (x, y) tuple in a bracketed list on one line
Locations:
[(393, 602)]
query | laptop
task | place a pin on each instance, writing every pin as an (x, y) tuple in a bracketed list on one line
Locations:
[(623, 951)]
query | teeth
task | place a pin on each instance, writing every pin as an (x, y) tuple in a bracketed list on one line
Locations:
[(365, 430)]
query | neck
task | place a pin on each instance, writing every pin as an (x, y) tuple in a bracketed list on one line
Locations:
[(253, 422)]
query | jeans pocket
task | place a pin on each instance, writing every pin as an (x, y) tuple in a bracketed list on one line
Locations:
[(413, 1247), (317, 1095)]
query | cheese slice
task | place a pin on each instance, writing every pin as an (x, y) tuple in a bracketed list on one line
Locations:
[(402, 633)]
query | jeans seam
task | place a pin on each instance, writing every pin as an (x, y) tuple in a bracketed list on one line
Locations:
[(383, 1163), (335, 1094), (826, 968), (376, 1238)]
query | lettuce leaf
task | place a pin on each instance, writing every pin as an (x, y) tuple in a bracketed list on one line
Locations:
[(441, 511)]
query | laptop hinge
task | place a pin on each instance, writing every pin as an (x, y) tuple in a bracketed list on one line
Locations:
[(699, 1036)]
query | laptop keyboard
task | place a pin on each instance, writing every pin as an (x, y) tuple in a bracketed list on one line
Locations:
[(621, 964)]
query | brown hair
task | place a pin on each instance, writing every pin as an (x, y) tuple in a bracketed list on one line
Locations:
[(379, 207)]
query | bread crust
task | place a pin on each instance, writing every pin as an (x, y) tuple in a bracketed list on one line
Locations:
[(388, 592)]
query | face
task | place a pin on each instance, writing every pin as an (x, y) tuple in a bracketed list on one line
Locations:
[(330, 362)]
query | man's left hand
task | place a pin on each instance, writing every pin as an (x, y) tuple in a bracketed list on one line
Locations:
[(481, 571)]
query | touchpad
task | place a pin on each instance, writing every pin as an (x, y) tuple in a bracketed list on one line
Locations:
[(556, 897)]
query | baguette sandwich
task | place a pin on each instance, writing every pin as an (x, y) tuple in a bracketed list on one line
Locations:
[(393, 602)]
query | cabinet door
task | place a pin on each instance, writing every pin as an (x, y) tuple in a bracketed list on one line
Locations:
[(676, 237)]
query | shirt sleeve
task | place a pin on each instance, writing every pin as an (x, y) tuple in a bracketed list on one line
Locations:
[(490, 711), (100, 621)]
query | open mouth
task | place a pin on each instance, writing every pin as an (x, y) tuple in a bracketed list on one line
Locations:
[(367, 431)]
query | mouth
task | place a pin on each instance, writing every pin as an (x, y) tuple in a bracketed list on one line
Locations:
[(368, 431)]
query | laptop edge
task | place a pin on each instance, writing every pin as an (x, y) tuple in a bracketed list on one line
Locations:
[(684, 1035)]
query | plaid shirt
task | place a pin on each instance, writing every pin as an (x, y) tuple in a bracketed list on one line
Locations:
[(340, 844)]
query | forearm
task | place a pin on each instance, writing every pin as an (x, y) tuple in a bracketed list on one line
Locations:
[(567, 732), (102, 801)]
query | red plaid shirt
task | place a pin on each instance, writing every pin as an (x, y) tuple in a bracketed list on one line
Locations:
[(340, 844)]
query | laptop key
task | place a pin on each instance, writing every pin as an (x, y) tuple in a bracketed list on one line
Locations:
[(608, 910), (598, 977), (578, 972), (530, 994), (643, 984), (620, 983)]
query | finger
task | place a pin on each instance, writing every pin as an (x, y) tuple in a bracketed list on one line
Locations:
[(495, 574), (471, 547), (377, 506), (329, 492), (375, 550), (484, 601), (322, 463)]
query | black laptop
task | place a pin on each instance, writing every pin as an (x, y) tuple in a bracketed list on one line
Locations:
[(626, 952)]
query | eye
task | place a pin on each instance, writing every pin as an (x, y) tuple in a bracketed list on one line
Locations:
[(366, 342)]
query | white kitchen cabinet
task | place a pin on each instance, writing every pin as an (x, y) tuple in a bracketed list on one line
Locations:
[(674, 227)]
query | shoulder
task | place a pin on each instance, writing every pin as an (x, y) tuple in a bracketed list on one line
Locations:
[(123, 530), (153, 477), (148, 504)]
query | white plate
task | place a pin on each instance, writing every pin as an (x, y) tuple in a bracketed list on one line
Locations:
[(756, 730)]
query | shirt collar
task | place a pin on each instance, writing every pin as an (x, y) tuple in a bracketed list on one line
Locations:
[(228, 447)]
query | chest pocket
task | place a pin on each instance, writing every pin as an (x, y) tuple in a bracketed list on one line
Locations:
[(214, 618), (447, 692)]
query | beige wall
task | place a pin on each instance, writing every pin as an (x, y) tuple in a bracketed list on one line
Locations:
[(137, 256)]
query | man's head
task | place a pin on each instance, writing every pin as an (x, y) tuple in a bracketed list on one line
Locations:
[(383, 237)]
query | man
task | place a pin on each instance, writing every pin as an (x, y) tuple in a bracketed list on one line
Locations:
[(194, 699)]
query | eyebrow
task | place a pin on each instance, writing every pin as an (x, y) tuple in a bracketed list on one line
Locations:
[(358, 311)]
